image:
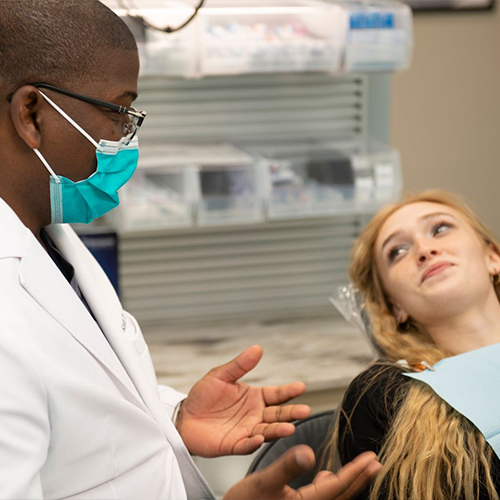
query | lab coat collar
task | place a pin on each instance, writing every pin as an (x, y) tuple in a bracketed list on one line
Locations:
[(103, 302), (14, 235), (40, 277), (107, 309), (45, 283)]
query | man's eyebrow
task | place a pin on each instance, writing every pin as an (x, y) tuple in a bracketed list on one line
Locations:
[(128, 93), (424, 217)]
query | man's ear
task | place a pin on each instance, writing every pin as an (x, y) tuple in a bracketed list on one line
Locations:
[(493, 259), (399, 313), (25, 113)]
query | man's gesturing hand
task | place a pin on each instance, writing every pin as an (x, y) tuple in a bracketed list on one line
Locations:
[(222, 416), (271, 483)]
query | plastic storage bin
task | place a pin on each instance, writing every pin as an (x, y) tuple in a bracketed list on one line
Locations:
[(270, 36), (379, 36), (161, 194), (169, 54), (263, 36), (231, 185), (318, 178)]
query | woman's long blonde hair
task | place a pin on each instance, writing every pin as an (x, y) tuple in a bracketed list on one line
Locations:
[(431, 452)]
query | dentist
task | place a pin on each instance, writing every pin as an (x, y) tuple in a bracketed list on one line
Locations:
[(81, 414)]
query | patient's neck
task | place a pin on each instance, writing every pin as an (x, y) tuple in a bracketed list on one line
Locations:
[(476, 327)]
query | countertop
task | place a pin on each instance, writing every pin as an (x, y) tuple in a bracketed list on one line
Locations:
[(324, 353)]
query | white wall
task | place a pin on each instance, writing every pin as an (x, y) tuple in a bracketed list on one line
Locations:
[(445, 116)]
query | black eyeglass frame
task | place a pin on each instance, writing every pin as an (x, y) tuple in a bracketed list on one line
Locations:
[(139, 115)]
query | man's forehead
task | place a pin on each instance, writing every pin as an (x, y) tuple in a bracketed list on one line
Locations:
[(120, 71)]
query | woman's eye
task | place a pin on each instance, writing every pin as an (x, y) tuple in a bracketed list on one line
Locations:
[(395, 252), (440, 228)]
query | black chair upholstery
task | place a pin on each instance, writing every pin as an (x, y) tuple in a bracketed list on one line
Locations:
[(313, 431)]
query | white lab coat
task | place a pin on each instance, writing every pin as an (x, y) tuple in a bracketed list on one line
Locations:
[(81, 414)]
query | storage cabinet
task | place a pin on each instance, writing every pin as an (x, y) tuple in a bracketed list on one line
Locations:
[(272, 36)]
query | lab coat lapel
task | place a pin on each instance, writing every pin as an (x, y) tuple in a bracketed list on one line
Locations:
[(107, 310), (46, 284), (40, 277)]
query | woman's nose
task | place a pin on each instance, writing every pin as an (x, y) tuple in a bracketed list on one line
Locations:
[(426, 251)]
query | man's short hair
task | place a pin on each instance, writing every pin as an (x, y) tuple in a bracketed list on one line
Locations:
[(61, 42)]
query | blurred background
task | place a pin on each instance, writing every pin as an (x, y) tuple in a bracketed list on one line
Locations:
[(275, 130)]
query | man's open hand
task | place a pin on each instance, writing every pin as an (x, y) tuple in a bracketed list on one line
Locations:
[(272, 482), (222, 416)]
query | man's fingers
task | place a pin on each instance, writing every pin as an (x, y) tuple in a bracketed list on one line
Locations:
[(293, 463), (347, 482), (278, 394), (270, 483), (274, 431), (239, 366), (365, 478), (287, 413), (249, 445), (322, 476)]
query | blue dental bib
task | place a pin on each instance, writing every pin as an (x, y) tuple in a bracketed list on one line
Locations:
[(470, 383)]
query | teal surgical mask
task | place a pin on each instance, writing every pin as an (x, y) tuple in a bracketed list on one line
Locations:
[(88, 199)]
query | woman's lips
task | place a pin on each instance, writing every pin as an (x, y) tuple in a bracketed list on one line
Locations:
[(435, 269)]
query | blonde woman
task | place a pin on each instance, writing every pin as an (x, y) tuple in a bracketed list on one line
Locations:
[(428, 271)]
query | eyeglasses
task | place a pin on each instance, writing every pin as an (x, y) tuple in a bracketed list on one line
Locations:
[(129, 129)]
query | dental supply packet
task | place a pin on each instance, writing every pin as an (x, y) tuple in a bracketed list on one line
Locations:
[(470, 383)]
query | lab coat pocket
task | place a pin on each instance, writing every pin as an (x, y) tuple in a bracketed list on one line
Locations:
[(133, 332)]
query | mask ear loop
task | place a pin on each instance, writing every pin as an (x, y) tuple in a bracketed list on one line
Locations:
[(65, 115), (47, 166)]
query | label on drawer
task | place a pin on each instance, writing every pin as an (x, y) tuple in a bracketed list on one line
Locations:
[(384, 175), (371, 20), (376, 49)]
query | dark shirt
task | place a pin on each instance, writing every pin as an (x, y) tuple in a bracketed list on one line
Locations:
[(371, 413), (64, 266)]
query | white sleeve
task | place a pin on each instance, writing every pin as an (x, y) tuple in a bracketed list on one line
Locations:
[(24, 422), (170, 398)]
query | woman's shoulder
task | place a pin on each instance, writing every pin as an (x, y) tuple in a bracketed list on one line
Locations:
[(376, 389), (379, 375), (368, 408)]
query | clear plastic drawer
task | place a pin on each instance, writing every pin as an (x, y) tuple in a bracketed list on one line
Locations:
[(159, 195), (261, 36), (318, 178), (230, 194), (379, 36), (169, 54), (181, 184)]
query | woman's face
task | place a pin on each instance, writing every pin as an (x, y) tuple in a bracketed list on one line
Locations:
[(432, 262)]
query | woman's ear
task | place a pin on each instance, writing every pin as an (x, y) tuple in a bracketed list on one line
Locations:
[(493, 259), (25, 114), (399, 313)]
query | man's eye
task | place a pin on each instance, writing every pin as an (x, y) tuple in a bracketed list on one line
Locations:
[(112, 114)]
